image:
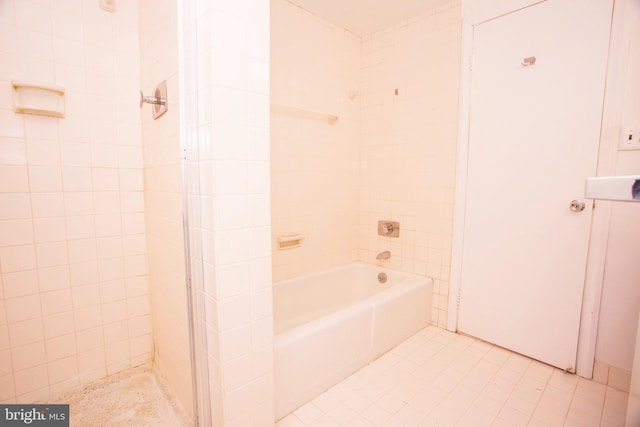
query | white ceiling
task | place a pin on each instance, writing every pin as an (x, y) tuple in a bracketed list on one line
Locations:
[(363, 17)]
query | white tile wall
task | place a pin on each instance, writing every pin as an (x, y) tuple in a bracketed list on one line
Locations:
[(408, 145), (388, 157), (229, 184), (232, 164), (620, 304), (315, 65), (163, 214), (64, 318)]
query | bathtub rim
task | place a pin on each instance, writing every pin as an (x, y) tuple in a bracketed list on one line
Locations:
[(344, 267), (393, 291)]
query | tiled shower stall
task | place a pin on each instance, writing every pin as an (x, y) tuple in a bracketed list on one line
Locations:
[(91, 248), (73, 253)]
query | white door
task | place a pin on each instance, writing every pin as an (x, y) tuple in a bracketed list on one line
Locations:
[(537, 85)]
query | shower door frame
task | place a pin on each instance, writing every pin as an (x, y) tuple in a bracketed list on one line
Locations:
[(191, 187), (606, 159)]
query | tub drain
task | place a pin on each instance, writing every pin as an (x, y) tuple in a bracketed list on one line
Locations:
[(382, 277)]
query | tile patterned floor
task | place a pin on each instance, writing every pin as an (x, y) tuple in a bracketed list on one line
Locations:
[(438, 378)]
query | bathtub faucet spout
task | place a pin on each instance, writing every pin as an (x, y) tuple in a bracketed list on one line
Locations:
[(384, 255)]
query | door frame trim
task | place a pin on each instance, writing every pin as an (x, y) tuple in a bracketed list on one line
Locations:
[(607, 156), (599, 234), (462, 165)]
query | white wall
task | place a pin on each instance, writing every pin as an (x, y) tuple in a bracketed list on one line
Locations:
[(74, 304), (388, 157), (620, 304), (314, 164), (163, 205), (230, 158), (473, 10), (408, 145)]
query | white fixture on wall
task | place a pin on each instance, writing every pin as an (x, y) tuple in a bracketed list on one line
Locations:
[(108, 5), (290, 241), (618, 188), (629, 137), (301, 112), (38, 98)]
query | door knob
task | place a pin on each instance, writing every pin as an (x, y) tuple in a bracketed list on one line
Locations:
[(577, 205)]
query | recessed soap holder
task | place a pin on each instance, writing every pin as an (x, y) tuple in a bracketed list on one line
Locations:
[(290, 241), (388, 228), (38, 98), (158, 100)]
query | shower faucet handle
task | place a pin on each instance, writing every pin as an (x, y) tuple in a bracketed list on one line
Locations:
[(389, 228), (151, 100), (158, 100)]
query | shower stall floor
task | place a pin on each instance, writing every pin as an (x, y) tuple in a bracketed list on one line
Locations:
[(132, 398)]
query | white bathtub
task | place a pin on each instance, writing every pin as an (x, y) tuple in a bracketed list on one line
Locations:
[(330, 324)]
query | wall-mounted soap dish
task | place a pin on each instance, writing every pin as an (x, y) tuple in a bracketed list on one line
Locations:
[(290, 241), (38, 98)]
